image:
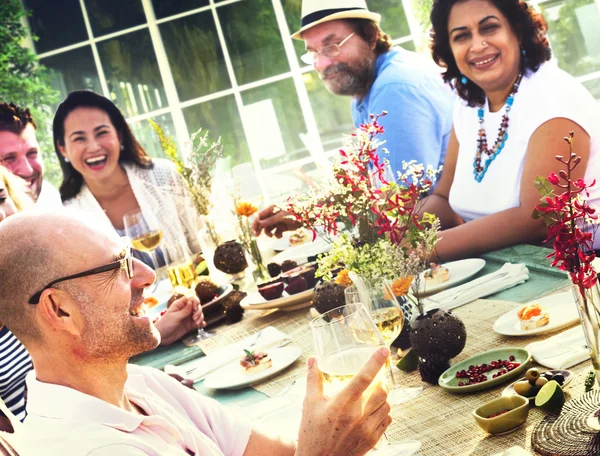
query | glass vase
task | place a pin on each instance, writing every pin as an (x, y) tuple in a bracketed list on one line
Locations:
[(588, 306), (260, 272)]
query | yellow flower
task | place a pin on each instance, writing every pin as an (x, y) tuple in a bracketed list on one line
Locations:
[(400, 287), (343, 278), (245, 209)]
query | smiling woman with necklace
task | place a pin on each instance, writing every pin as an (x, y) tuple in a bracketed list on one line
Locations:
[(514, 109)]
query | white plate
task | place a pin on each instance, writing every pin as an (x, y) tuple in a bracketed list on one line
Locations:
[(232, 376), (254, 300), (283, 243), (300, 253), (562, 310), (460, 271)]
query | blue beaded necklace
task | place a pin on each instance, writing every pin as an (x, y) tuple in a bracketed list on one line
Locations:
[(479, 170)]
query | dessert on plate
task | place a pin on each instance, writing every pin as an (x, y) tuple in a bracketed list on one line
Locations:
[(533, 316), (298, 237), (255, 362), (436, 274)]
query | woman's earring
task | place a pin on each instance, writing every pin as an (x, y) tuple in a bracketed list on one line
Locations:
[(463, 79), (122, 147), (67, 159)]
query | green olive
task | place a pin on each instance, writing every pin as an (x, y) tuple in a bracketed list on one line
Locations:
[(541, 382), (523, 388), (532, 374)]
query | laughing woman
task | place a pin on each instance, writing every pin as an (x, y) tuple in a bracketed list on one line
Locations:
[(107, 173), (514, 109)]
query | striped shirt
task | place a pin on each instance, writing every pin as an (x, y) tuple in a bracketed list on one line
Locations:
[(15, 363)]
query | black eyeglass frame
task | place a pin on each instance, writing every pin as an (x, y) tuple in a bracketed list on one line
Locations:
[(124, 263)]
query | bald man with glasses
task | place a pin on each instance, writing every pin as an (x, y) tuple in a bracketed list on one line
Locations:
[(74, 302)]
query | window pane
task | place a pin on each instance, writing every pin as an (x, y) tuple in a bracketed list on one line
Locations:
[(594, 87), (221, 118), (73, 70), (574, 34), (332, 112), (132, 74), (108, 16), (393, 17), (409, 46), (146, 136), (274, 119), (293, 9), (48, 21), (195, 55), (257, 50), (165, 8)]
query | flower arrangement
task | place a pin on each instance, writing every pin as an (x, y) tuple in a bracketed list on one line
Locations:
[(571, 221), (572, 224), (389, 239), (196, 169), (244, 210)]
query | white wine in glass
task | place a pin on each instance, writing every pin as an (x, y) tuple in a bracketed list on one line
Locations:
[(384, 308), (182, 273), (143, 236)]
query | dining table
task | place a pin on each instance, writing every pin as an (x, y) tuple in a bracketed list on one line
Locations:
[(441, 421)]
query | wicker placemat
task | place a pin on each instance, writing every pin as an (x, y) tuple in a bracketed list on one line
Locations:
[(566, 433)]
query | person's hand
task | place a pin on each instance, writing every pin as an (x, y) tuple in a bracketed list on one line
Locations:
[(184, 315), (274, 221), (184, 381), (349, 423)]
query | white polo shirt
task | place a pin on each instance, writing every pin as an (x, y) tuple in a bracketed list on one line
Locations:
[(180, 422)]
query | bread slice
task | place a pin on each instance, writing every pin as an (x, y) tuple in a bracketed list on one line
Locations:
[(535, 322), (255, 362)]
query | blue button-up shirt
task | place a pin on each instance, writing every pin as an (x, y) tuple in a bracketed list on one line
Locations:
[(419, 120)]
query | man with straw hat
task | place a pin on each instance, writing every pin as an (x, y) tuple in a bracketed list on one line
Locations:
[(355, 58)]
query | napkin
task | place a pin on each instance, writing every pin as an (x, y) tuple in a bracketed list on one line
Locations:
[(561, 351), (199, 368), (507, 276)]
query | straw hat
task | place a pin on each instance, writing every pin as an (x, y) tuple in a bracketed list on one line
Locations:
[(318, 11)]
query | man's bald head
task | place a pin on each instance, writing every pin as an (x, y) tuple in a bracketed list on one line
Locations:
[(35, 248)]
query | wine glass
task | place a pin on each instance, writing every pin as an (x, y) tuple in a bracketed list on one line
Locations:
[(386, 312), (182, 274), (144, 237), (345, 338)]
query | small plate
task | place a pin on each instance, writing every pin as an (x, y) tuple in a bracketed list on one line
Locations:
[(284, 243), (562, 310), (300, 253), (449, 382), (510, 389), (231, 376), (460, 271), (254, 300)]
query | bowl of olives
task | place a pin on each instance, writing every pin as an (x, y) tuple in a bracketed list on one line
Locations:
[(533, 381)]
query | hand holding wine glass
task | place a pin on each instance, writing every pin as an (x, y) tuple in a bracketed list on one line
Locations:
[(344, 424)]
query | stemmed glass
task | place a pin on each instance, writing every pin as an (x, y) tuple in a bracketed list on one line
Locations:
[(182, 274), (345, 338), (144, 237), (385, 310)]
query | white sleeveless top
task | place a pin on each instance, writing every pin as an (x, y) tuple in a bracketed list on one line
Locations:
[(547, 94)]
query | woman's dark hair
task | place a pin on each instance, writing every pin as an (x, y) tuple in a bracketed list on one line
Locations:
[(131, 150), (529, 25)]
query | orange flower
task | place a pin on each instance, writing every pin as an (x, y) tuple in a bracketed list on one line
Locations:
[(343, 278), (245, 209), (400, 287)]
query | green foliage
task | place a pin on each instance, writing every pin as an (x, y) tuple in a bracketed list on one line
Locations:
[(26, 83), (590, 379), (421, 10)]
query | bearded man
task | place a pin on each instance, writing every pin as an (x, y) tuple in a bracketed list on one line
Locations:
[(355, 58)]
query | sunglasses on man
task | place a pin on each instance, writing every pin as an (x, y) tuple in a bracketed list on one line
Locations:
[(125, 263)]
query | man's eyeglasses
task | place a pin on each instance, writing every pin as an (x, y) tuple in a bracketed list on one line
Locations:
[(125, 263), (330, 51)]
